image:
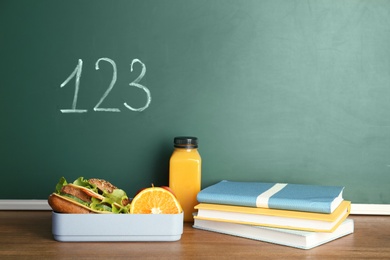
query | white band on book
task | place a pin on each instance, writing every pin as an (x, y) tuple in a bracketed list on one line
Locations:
[(262, 199)]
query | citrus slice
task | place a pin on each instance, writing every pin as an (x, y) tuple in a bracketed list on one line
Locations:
[(155, 200)]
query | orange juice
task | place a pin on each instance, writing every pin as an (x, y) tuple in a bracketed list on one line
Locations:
[(185, 173)]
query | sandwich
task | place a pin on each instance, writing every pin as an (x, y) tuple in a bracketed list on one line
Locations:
[(88, 196)]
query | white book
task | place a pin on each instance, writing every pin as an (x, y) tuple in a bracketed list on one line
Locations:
[(286, 237)]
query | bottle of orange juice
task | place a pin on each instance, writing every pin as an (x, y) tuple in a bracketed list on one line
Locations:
[(185, 173)]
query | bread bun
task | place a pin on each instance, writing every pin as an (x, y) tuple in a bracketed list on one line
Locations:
[(62, 205), (103, 185)]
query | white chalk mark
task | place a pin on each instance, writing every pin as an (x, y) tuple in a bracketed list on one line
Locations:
[(73, 110), (77, 73), (135, 84), (114, 77)]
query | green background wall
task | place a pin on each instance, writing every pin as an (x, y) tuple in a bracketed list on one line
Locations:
[(276, 91)]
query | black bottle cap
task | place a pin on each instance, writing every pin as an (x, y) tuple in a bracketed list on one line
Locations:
[(185, 142)]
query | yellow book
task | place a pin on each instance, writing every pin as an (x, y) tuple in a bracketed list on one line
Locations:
[(298, 220)]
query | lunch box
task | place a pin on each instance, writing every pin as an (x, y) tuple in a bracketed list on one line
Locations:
[(116, 227)]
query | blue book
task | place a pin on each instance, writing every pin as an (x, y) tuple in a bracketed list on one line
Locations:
[(297, 197)]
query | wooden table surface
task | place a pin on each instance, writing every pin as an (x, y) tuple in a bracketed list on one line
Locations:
[(27, 235)]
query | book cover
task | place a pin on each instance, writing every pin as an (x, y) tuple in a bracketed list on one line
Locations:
[(286, 237), (301, 197), (298, 220)]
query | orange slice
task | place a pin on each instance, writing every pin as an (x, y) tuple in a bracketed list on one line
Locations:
[(155, 200)]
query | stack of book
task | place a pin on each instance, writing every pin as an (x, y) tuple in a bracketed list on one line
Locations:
[(296, 215)]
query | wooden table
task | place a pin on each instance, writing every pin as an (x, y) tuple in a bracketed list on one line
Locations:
[(27, 235)]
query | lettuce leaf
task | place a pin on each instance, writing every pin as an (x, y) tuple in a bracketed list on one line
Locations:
[(100, 205), (108, 204), (61, 183), (83, 182), (117, 196)]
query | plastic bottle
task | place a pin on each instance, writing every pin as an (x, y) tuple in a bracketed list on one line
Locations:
[(185, 173)]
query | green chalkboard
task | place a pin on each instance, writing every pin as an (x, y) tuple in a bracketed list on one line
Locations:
[(275, 90)]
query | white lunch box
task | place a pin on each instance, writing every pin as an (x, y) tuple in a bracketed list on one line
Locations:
[(116, 227)]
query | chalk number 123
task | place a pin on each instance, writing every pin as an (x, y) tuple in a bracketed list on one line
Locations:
[(77, 74)]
